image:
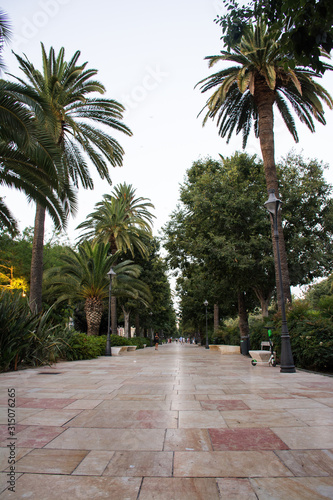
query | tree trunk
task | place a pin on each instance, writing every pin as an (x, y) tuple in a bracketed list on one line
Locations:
[(264, 98), (36, 271), (243, 316), (264, 301), (126, 323), (138, 331), (94, 309), (216, 317)]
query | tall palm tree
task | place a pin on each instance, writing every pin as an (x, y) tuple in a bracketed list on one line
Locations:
[(246, 92), (83, 275), (124, 223), (60, 97)]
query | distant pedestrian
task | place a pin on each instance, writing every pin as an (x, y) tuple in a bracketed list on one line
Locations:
[(156, 340)]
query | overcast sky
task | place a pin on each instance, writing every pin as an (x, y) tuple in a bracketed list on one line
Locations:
[(149, 55)]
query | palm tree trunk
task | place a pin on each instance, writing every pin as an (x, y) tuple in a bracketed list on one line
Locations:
[(216, 317), (94, 309), (126, 323), (36, 270), (264, 98)]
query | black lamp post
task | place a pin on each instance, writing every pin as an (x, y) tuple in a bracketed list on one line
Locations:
[(273, 204), (206, 304), (108, 352)]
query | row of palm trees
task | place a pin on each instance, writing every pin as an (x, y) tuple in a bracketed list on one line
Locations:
[(51, 126), (245, 93)]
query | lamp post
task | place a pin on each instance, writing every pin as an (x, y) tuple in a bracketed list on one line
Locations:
[(206, 304), (273, 204), (108, 352)]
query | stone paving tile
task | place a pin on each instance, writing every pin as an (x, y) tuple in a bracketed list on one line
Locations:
[(51, 417), (184, 423), (140, 463), (223, 405), (201, 419), (228, 464), (306, 438), (307, 488), (179, 489), (44, 487), (187, 440), (308, 462), (43, 403), (236, 489), (77, 438), (245, 439), (4, 455), (261, 418), (50, 461), (94, 463), (36, 436), (126, 419)]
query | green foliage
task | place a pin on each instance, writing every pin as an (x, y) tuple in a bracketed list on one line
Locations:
[(140, 342), (26, 338), (82, 346)]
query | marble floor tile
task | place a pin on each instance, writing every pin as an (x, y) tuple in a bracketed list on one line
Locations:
[(42, 461), (36, 436), (263, 418), (4, 455), (272, 404), (179, 489), (140, 464), (307, 488), (223, 405), (245, 439), (306, 438), (187, 440), (126, 419), (308, 462), (228, 464), (110, 439), (94, 463), (134, 405), (51, 417), (313, 417), (54, 487), (185, 405), (200, 419), (44, 403), (235, 489), (84, 404)]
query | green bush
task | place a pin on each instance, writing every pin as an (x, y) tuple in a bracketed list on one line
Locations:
[(117, 340), (140, 341), (82, 346)]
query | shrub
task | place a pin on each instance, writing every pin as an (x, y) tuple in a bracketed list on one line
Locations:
[(82, 346), (140, 341)]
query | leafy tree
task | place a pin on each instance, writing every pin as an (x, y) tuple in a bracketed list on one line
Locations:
[(60, 98), (305, 27), (246, 93), (124, 223), (219, 238), (83, 276)]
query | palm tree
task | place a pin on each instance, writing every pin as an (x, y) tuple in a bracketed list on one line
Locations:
[(246, 92), (60, 97), (123, 223), (83, 275)]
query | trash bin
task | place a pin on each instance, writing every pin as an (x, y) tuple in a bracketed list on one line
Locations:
[(245, 345)]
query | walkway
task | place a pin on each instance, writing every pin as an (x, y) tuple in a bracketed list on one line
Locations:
[(182, 423)]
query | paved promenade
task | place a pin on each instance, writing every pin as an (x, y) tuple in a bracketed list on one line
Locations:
[(180, 423)]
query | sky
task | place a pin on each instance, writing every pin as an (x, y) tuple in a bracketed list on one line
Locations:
[(149, 55)]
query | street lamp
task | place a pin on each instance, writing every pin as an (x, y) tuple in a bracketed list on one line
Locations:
[(273, 204), (206, 304), (108, 352)]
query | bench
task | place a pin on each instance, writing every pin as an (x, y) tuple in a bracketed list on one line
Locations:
[(131, 347), (226, 349), (116, 350)]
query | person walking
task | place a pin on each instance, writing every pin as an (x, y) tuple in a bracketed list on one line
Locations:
[(156, 339)]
